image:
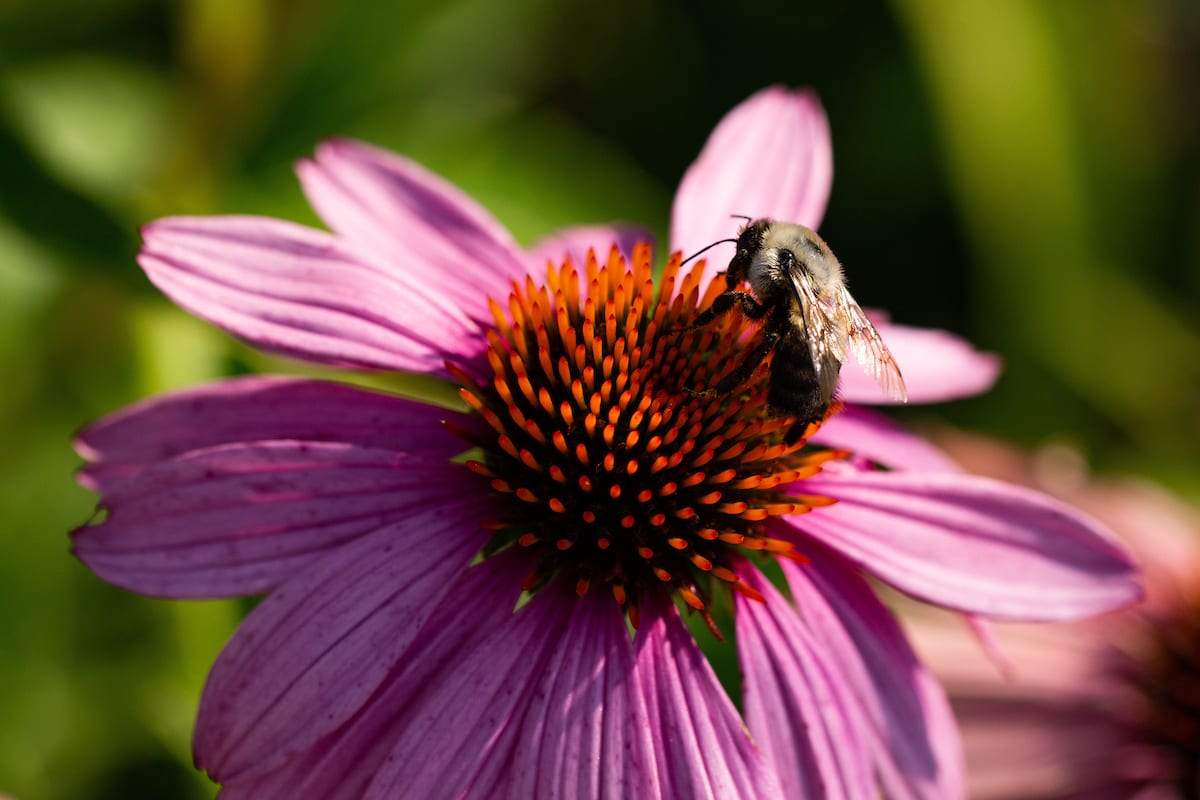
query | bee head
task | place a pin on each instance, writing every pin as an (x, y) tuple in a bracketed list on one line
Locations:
[(749, 241)]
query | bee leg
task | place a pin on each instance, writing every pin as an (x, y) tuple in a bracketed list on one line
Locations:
[(751, 362), (723, 304), (796, 432)]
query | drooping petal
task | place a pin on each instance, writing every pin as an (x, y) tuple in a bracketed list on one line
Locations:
[(456, 637), (877, 438), (798, 707), (936, 365), (304, 293), (1058, 714), (507, 681), (536, 731), (260, 408), (552, 701), (769, 157), (911, 730), (237, 519), (318, 647), (586, 731), (703, 750), (413, 222), (972, 544), (577, 241)]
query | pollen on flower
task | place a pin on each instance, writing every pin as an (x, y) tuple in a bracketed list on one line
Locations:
[(623, 468)]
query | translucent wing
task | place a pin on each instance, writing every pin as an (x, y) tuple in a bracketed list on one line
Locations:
[(826, 342), (869, 349)]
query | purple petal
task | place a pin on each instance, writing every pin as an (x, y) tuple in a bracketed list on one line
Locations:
[(342, 765), (972, 544), (936, 365), (562, 708), (463, 724), (550, 701), (769, 157), (877, 438), (302, 292), (260, 408), (703, 749), (798, 707), (911, 729), (586, 730), (574, 243), (237, 519), (413, 222), (311, 654)]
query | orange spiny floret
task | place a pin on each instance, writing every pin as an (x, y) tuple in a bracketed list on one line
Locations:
[(502, 388), (535, 431), (618, 593), (690, 598), (506, 444), (747, 591), (529, 460), (517, 415), (816, 500)]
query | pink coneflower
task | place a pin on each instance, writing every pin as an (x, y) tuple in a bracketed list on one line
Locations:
[(601, 489), (1106, 708)]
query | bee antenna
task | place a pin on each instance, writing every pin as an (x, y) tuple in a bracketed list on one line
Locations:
[(741, 216), (704, 249)]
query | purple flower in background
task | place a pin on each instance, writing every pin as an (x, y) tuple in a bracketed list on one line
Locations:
[(598, 488), (1103, 709)]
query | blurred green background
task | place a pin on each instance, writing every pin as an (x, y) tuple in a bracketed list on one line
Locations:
[(1024, 173)]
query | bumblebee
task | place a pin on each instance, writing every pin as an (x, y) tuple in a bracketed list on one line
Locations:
[(811, 321)]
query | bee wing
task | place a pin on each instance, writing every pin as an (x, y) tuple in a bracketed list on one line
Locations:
[(870, 351), (826, 343)]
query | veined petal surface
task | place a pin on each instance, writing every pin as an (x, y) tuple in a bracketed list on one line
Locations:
[(312, 653), (305, 293), (880, 439), (410, 221), (452, 642), (238, 519), (260, 408), (798, 705), (771, 156), (972, 544), (910, 729), (702, 748)]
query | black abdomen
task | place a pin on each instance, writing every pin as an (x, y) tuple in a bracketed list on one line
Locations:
[(794, 390)]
